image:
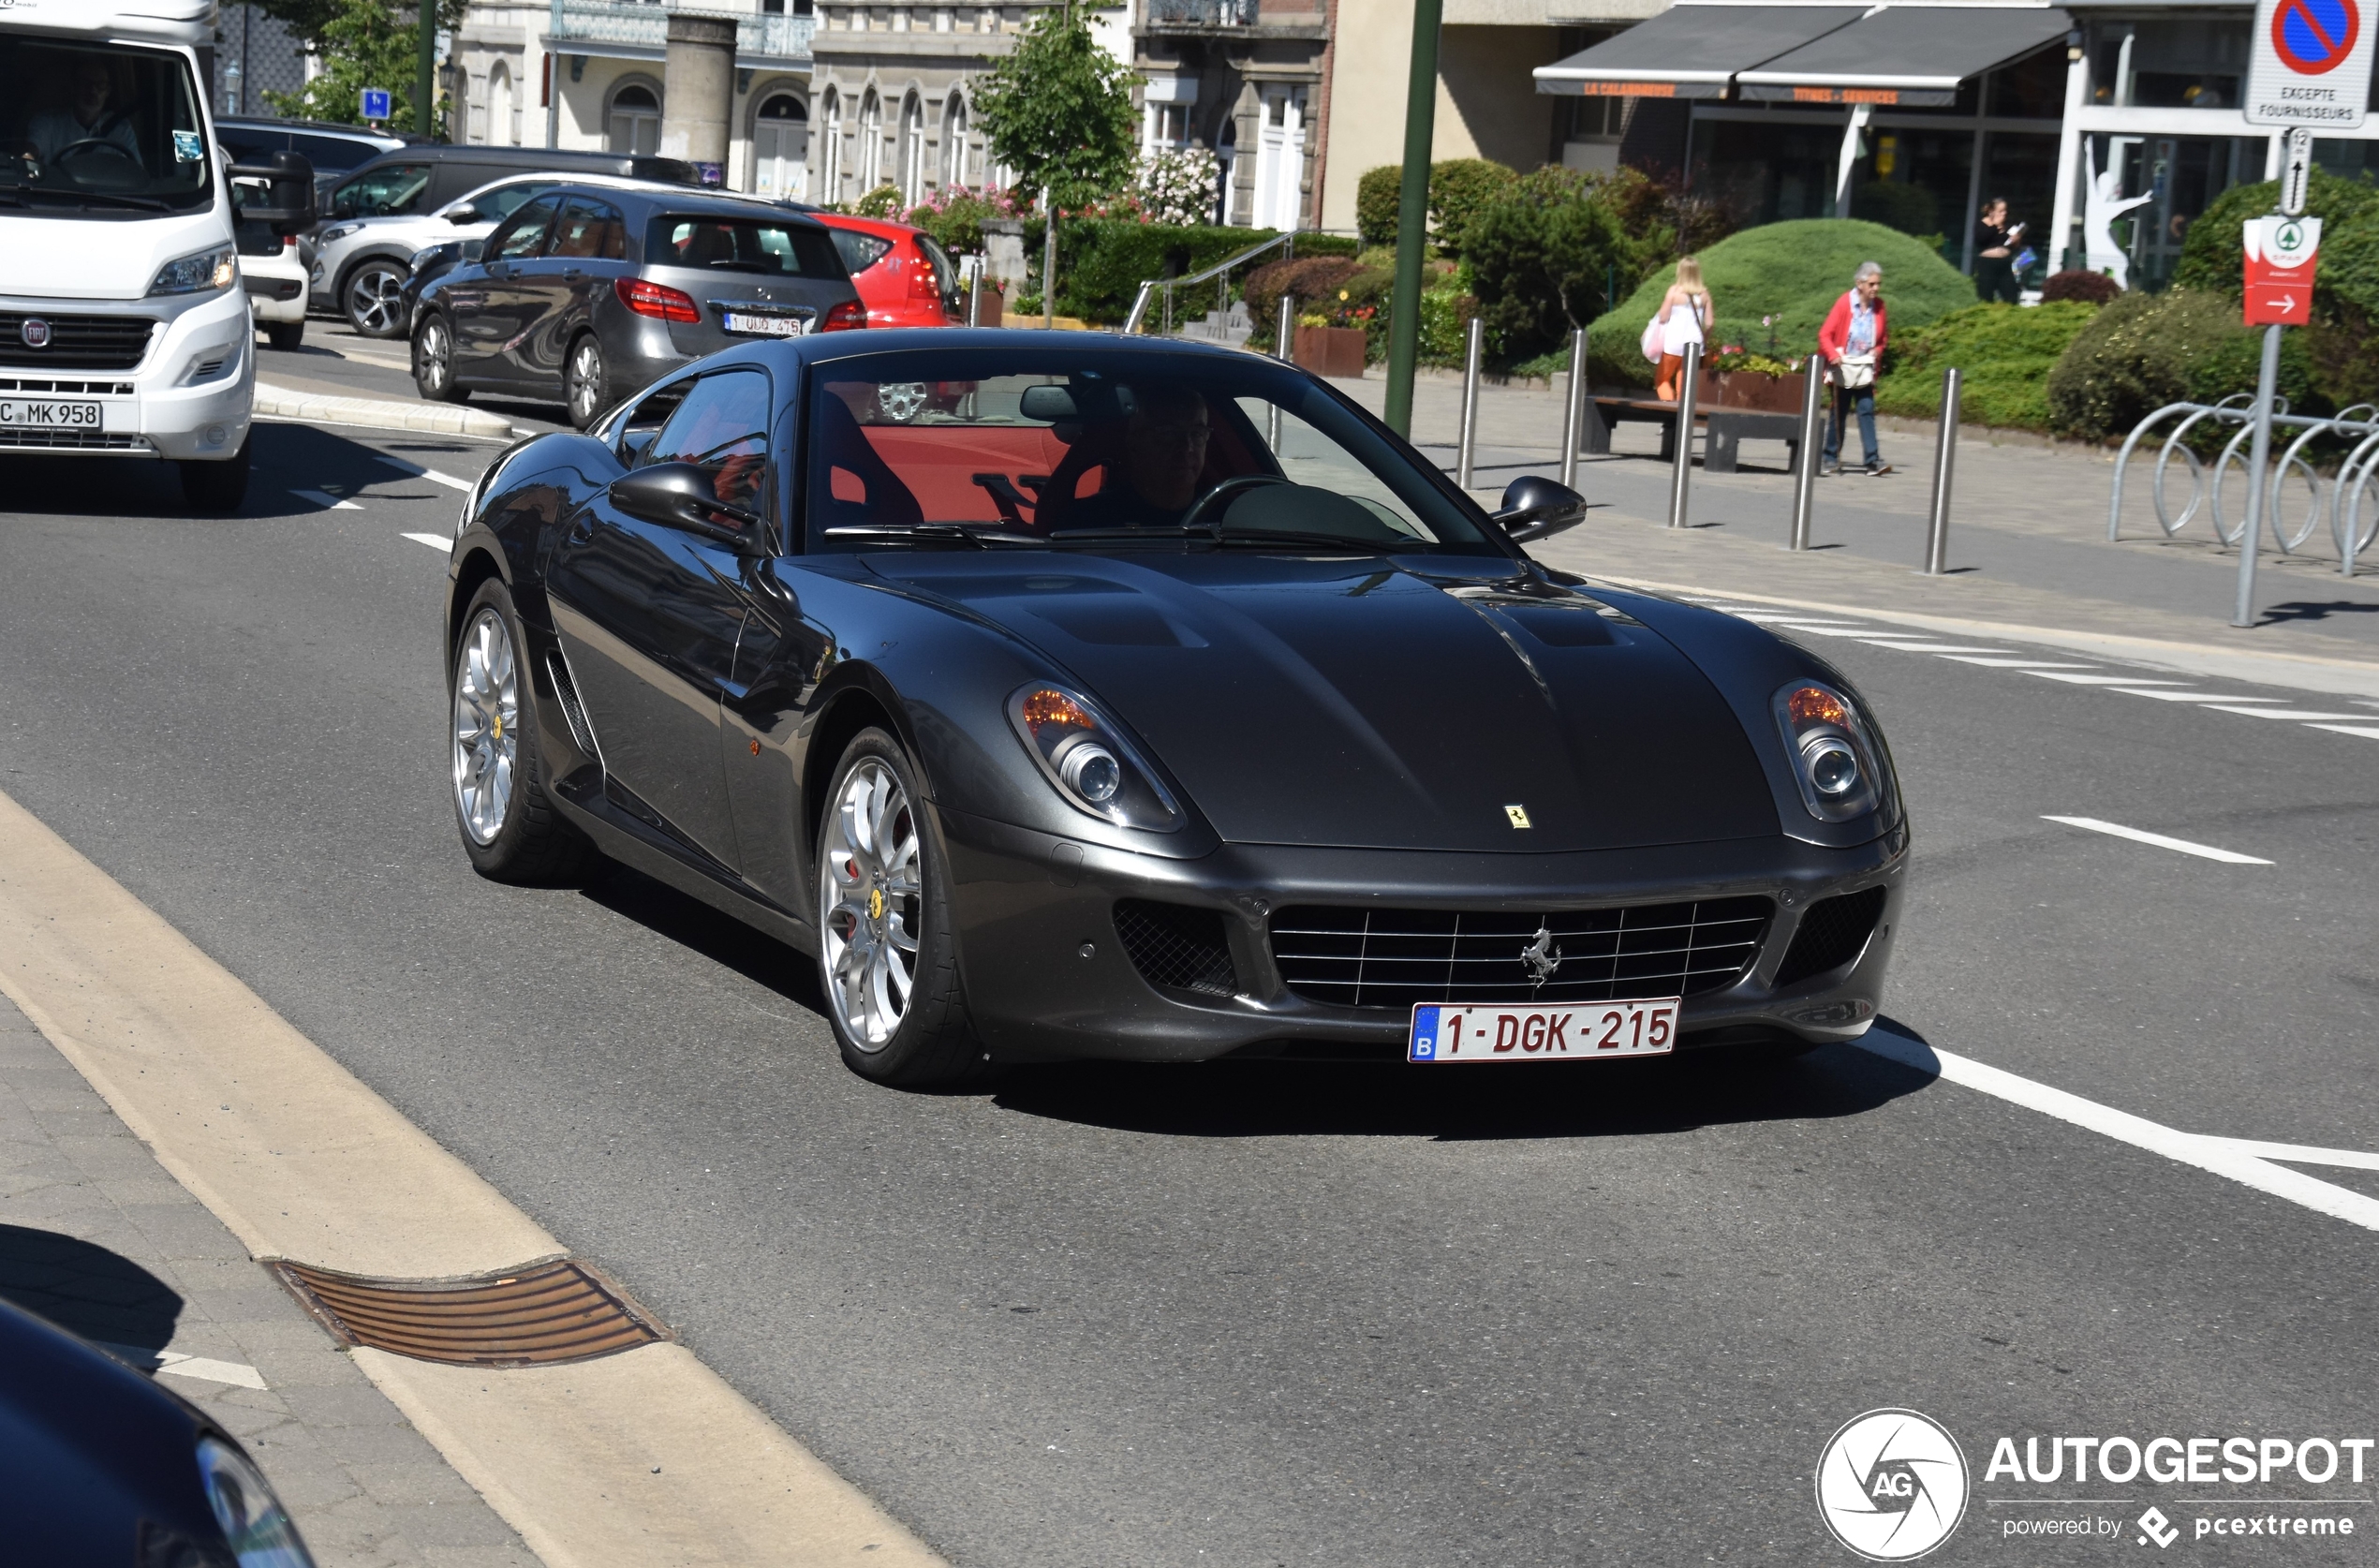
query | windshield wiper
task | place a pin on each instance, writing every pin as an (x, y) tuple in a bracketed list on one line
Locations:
[(146, 203), (953, 533)]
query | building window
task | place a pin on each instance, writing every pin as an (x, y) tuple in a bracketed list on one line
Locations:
[(635, 121), (780, 149), (1279, 200), (1596, 119), (871, 142), (830, 163), (503, 126), (953, 144), (912, 151)]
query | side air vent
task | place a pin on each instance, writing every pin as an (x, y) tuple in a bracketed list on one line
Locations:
[(1176, 948), (574, 711), (1833, 932)]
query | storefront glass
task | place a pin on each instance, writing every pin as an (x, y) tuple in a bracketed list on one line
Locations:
[(1764, 171)]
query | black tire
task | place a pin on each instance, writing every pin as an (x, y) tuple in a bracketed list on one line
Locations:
[(434, 363), (287, 337), (933, 1044), (216, 489), (586, 382), (531, 842), (373, 297)]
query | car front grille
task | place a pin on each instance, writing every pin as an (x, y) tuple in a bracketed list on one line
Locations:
[(78, 342), (74, 440), (1833, 932), (1363, 957), (1176, 948)]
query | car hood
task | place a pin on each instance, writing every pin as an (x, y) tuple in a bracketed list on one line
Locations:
[(1375, 703), (63, 256)]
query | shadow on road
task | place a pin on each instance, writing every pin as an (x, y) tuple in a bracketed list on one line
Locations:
[(723, 940), (1556, 1099), (86, 1290)]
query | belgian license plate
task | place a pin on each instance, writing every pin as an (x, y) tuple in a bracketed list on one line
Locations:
[(1602, 1030), (43, 414), (763, 326)]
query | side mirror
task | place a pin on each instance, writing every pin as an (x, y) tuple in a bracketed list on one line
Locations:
[(1534, 506), (680, 496), (287, 201), (460, 213)]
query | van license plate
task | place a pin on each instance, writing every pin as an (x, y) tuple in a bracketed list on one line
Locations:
[(44, 414), (763, 326), (1443, 1033)]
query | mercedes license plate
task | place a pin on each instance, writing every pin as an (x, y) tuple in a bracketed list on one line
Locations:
[(763, 326), (1602, 1030), (44, 414)]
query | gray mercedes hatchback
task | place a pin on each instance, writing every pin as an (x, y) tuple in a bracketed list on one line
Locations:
[(590, 292)]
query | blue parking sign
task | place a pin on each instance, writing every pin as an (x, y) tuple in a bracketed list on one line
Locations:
[(375, 103)]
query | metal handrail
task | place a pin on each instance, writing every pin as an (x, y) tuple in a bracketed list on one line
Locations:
[(2341, 500), (1139, 316)]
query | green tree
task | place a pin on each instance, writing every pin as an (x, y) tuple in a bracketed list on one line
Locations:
[(360, 43), (1058, 111)]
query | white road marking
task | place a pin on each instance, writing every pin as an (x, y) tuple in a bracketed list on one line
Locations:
[(327, 503), (2223, 1157), (432, 474), (2229, 857), (2191, 696), (2303, 716), (1928, 647), (2365, 731), (2300, 1153), (439, 542), (182, 1365), (2014, 663), (2047, 673)]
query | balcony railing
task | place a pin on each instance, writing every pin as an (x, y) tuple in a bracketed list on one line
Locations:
[(627, 21), (1201, 13)]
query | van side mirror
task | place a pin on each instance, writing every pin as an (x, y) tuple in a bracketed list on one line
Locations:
[(1534, 506), (286, 201)]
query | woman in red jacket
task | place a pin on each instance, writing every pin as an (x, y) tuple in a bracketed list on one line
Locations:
[(1852, 346)]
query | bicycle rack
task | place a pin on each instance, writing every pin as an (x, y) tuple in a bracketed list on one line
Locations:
[(2342, 501)]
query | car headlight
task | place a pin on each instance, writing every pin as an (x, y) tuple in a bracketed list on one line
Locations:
[(196, 273), (1836, 757), (1091, 764), (259, 1529), (338, 231)]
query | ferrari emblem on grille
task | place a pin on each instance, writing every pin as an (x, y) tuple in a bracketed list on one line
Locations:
[(1519, 814), (35, 332), (1542, 958)]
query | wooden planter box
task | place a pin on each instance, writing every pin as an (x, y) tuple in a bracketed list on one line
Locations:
[(1330, 350), (1752, 390), (994, 305)]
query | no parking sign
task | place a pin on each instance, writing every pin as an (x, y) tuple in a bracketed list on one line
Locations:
[(2309, 65)]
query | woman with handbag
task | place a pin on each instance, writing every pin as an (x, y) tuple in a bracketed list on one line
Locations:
[(1851, 344), (1683, 318)]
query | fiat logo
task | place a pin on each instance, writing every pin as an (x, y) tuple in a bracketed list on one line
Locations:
[(36, 332)]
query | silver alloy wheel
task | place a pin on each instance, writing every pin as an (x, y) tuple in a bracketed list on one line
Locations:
[(487, 722), (434, 358), (587, 383), (871, 903), (901, 401), (373, 299)]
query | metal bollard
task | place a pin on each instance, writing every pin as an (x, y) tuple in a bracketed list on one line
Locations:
[(1468, 449), (1048, 260), (1574, 425), (975, 291), (1284, 348), (1812, 440), (1944, 463), (1683, 477)]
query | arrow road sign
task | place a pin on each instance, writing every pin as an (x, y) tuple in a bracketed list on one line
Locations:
[(2281, 253), (2308, 65), (375, 103)]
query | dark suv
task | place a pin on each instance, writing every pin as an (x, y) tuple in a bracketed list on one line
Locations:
[(421, 179), (590, 292)]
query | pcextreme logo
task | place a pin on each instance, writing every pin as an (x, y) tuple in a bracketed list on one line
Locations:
[(1891, 1484)]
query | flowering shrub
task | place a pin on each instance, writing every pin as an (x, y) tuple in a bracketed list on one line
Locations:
[(884, 201), (1178, 187), (956, 217)]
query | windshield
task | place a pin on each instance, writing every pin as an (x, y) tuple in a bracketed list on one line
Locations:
[(741, 246), (99, 125), (388, 190), (995, 447)]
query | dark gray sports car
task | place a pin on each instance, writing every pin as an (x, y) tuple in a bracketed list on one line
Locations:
[(1070, 695)]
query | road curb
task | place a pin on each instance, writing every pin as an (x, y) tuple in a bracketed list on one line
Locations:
[(640, 1458), (445, 419)]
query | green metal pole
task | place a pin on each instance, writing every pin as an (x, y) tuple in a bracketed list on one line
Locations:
[(425, 69), (1413, 213)]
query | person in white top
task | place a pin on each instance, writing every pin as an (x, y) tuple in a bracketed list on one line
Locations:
[(1685, 317)]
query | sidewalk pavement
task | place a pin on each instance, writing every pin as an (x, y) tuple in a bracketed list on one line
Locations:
[(2027, 540), (95, 1237)]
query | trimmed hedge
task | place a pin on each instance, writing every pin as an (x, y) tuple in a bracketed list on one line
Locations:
[(1102, 261), (1794, 270), (1542, 257), (2079, 283), (2213, 256), (1314, 280), (2006, 352), (2145, 351)]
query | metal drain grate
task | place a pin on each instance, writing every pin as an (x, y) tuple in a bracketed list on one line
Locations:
[(536, 1316)]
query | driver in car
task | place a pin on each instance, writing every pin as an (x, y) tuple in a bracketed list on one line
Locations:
[(89, 119), (1163, 457)]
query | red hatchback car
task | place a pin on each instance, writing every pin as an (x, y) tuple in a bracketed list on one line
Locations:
[(904, 277)]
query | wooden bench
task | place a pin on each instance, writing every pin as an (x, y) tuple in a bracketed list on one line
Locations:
[(1724, 428)]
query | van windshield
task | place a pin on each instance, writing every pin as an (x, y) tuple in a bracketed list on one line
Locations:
[(85, 126)]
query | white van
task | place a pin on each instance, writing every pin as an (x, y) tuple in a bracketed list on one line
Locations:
[(124, 326)]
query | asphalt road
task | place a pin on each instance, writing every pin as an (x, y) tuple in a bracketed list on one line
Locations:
[(1279, 1315)]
